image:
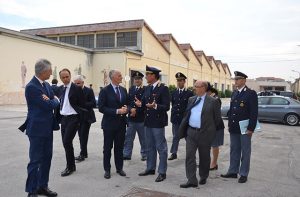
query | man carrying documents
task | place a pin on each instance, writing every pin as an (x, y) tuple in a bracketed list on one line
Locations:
[(242, 121)]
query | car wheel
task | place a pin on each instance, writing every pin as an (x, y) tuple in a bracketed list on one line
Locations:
[(291, 119)]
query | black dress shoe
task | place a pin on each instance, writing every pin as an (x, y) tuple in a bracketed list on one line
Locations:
[(188, 185), (68, 171), (147, 172), (80, 158), (214, 168), (121, 172), (229, 175), (173, 156), (243, 179), (46, 192), (32, 195), (126, 158), (202, 181), (107, 175), (161, 177), (144, 158)]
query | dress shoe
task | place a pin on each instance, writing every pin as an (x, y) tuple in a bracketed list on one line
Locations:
[(161, 177), (243, 179), (214, 168), (202, 181), (32, 195), (173, 156), (107, 175), (188, 185), (229, 175), (147, 172), (126, 158), (46, 192), (144, 158), (121, 172), (80, 158), (68, 171)]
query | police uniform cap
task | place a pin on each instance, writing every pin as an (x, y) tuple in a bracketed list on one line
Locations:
[(180, 76), (239, 75)]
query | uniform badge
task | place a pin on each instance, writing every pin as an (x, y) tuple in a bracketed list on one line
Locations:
[(242, 104)]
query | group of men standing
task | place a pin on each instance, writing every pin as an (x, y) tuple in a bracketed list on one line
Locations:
[(143, 110)]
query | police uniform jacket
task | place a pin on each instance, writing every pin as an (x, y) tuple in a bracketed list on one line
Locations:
[(179, 104), (156, 118), (243, 106), (140, 112)]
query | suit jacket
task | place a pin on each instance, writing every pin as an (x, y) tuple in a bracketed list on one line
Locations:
[(76, 99), (140, 112), (220, 125), (90, 103), (156, 118), (179, 104), (55, 89), (108, 103), (243, 106), (210, 117), (40, 119)]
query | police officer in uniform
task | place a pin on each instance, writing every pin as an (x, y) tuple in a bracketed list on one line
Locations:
[(179, 100), (156, 102), (136, 118), (243, 106)]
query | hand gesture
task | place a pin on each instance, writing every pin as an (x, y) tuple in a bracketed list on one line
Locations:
[(137, 102), (133, 112), (151, 105), (45, 97)]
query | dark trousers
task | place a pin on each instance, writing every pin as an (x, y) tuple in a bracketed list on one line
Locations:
[(193, 143), (69, 126), (40, 155), (83, 134), (113, 138)]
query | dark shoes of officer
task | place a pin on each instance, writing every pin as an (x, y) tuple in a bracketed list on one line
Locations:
[(46, 192), (144, 158), (188, 185), (229, 175), (68, 171), (126, 158), (147, 172), (202, 181), (121, 172), (32, 195), (161, 177), (107, 175), (173, 156), (243, 179), (80, 158)]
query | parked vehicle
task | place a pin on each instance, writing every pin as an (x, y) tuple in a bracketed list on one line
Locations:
[(275, 109), (279, 93)]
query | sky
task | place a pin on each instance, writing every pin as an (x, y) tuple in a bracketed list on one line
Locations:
[(259, 37)]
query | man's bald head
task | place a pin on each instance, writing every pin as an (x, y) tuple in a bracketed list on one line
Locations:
[(200, 87)]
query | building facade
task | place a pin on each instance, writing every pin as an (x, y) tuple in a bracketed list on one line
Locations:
[(93, 49)]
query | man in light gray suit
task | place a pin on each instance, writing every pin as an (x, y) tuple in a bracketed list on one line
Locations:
[(199, 128)]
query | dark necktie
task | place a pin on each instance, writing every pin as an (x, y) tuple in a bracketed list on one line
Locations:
[(45, 88), (180, 91), (197, 101), (151, 89), (62, 98), (118, 93)]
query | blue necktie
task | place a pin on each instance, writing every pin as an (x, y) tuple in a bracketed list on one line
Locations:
[(118, 93)]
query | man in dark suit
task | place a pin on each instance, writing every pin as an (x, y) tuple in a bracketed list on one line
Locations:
[(199, 127), (156, 101), (179, 100), (39, 125), (136, 118), (88, 117), (112, 103), (71, 109), (55, 88), (243, 106)]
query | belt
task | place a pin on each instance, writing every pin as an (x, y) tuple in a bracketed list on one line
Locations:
[(194, 128)]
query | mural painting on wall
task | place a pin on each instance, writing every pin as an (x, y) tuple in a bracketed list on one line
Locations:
[(78, 71), (23, 73), (55, 72), (105, 78)]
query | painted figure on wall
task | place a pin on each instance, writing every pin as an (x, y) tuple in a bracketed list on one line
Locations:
[(23, 73), (105, 80)]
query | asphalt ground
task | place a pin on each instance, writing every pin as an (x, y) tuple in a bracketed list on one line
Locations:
[(274, 170)]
